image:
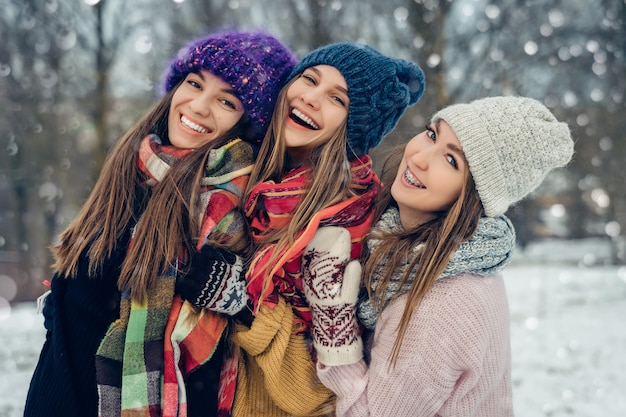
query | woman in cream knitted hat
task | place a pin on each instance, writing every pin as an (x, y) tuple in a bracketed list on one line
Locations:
[(435, 310)]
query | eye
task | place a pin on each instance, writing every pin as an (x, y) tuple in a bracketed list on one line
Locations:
[(193, 83), (339, 100), (452, 161), (309, 79), (228, 103), (430, 132)]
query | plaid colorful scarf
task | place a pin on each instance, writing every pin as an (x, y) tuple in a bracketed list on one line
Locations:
[(271, 206), (142, 360)]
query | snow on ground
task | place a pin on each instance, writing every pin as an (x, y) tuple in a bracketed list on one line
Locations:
[(21, 338), (567, 332)]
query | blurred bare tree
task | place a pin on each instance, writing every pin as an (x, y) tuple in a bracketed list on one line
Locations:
[(75, 75)]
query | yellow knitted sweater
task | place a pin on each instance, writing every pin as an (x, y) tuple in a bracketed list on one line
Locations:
[(276, 375)]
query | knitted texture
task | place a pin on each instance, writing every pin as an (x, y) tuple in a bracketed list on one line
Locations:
[(488, 251), (455, 358), (78, 312), (511, 144), (277, 377), (215, 281), (380, 89), (256, 66), (331, 286)]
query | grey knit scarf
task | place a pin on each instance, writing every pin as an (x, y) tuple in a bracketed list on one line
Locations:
[(487, 252)]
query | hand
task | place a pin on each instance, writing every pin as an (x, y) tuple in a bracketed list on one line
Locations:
[(331, 286), (215, 281)]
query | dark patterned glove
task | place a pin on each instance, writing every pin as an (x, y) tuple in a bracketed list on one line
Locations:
[(215, 281), (331, 286)]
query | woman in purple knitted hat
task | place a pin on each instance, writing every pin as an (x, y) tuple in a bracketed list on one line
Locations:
[(167, 196)]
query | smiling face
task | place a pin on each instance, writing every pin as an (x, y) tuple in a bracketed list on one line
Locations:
[(430, 176), (318, 106), (203, 108)]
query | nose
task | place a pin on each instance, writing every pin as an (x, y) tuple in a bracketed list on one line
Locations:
[(201, 105), (311, 98), (421, 158)]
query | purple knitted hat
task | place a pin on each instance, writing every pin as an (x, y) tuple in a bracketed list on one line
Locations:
[(255, 64)]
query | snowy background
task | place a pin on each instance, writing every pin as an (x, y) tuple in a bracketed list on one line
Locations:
[(567, 330)]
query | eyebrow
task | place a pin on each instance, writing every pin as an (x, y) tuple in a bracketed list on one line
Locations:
[(457, 150), (339, 87), (225, 90)]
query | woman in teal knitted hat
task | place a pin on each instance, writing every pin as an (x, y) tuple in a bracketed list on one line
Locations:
[(314, 170), (435, 308), (341, 101), (168, 193)]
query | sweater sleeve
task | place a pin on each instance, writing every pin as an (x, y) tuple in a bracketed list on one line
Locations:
[(454, 359), (287, 372)]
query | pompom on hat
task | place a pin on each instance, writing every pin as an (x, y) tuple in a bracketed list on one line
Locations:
[(380, 89), (511, 144), (255, 64)]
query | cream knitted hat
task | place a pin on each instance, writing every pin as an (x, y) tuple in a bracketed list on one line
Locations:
[(511, 143)]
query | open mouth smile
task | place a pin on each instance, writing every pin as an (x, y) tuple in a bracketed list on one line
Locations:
[(410, 179), (193, 126), (303, 120)]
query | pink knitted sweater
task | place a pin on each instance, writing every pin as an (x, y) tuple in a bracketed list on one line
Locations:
[(455, 358)]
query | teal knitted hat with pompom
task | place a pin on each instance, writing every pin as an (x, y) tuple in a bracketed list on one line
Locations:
[(380, 89)]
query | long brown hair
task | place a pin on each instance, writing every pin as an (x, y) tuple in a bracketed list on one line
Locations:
[(440, 237), (331, 178), (117, 200), (168, 211), (170, 222)]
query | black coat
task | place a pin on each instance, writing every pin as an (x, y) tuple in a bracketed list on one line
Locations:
[(77, 314)]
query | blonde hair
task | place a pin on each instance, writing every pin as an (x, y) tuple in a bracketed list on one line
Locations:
[(120, 197), (323, 191), (440, 238)]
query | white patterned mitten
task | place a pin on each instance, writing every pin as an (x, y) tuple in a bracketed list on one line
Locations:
[(331, 286)]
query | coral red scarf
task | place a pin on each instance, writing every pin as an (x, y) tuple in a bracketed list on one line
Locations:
[(271, 206)]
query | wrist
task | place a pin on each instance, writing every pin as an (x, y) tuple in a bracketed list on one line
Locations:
[(245, 316), (345, 354)]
